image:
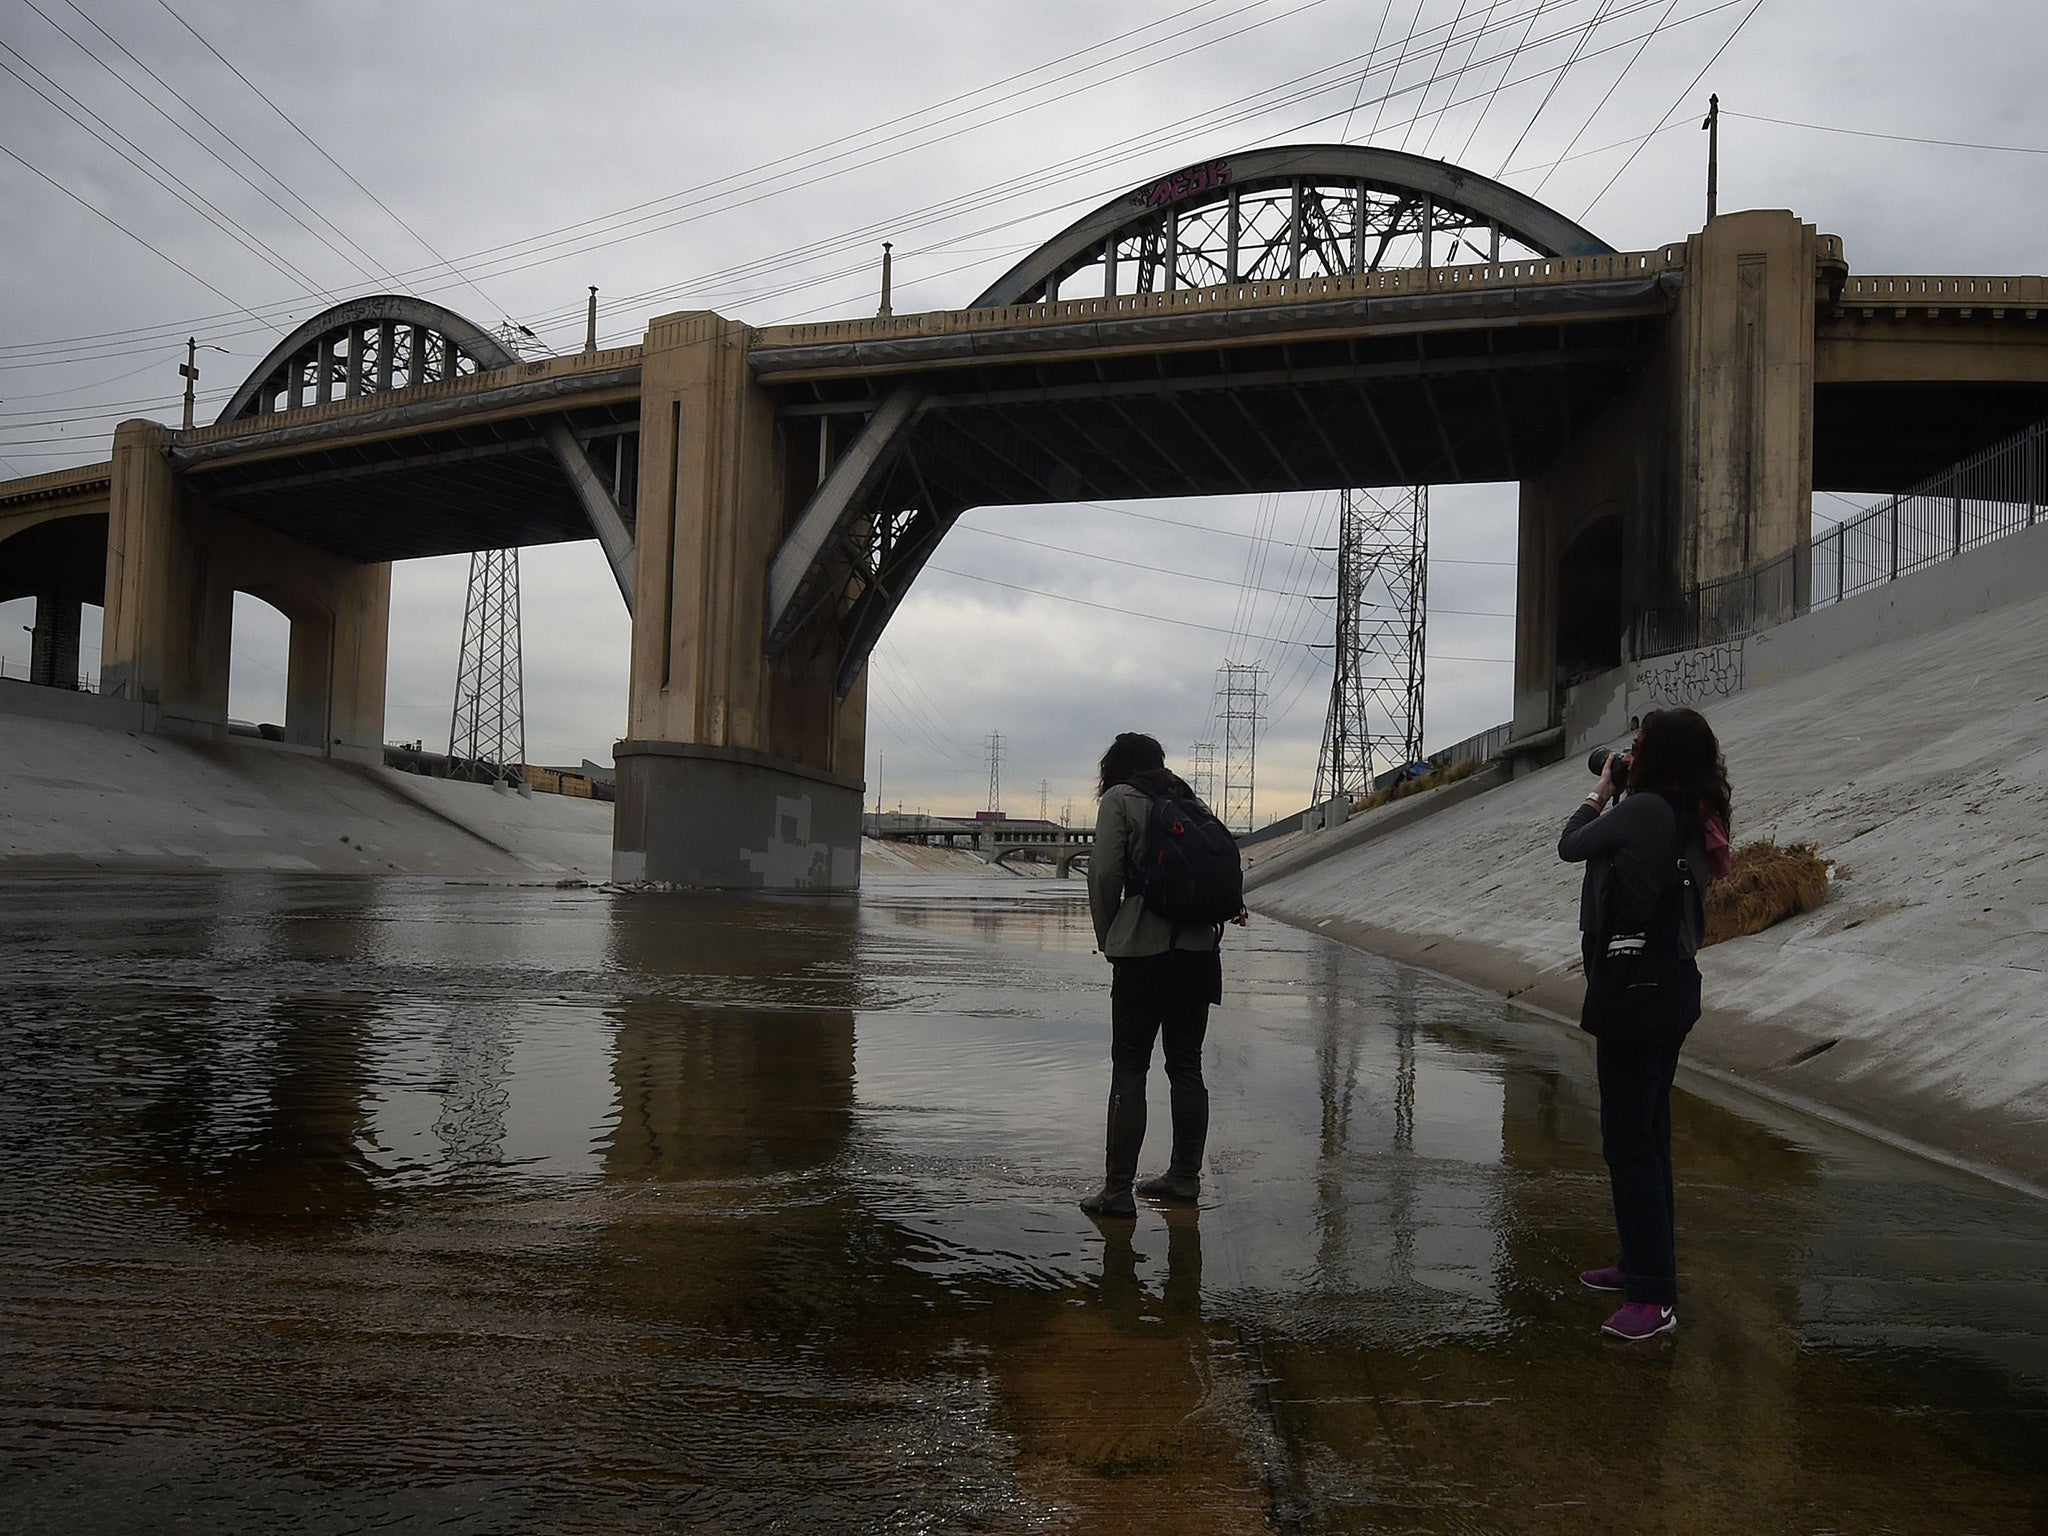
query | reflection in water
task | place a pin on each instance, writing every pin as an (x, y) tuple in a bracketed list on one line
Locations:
[(707, 1088), (1124, 1293), (337, 1205)]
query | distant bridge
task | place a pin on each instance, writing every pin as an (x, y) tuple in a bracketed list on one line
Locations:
[(996, 840), (1290, 319)]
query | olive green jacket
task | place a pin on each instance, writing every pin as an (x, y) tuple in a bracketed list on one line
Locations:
[(1124, 928)]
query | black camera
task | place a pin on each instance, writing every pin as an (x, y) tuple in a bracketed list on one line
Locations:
[(1597, 763)]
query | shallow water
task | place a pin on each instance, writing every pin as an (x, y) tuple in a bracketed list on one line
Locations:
[(335, 1205)]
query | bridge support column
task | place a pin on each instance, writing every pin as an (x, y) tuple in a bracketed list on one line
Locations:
[(53, 644), (1701, 471), (737, 772), (1588, 541), (173, 568), (1745, 394)]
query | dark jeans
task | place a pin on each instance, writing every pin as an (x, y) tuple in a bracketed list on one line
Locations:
[(1635, 1073), (1168, 996)]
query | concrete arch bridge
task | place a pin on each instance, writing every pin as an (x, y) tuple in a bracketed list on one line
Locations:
[(1288, 319)]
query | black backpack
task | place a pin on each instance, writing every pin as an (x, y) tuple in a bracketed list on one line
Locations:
[(1190, 872)]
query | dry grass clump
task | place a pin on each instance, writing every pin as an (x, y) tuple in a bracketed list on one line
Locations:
[(1401, 789), (1766, 885)]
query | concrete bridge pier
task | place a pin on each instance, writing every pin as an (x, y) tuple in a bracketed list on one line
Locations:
[(174, 565), (1702, 472), (737, 771), (53, 643)]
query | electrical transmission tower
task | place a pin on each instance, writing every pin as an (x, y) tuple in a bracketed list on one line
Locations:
[(1202, 771), (1375, 716), (487, 731), (1242, 691), (995, 770)]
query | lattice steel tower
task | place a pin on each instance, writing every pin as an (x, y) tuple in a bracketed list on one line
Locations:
[(995, 770), (1242, 693), (487, 731), (1202, 771), (1375, 716)]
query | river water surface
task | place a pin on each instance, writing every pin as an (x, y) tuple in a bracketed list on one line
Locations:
[(337, 1205)]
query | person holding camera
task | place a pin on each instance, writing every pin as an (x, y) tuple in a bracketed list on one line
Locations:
[(1163, 878), (1641, 920)]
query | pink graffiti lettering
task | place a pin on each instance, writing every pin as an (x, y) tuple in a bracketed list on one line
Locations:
[(1196, 178)]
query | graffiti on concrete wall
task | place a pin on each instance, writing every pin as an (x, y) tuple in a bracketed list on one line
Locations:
[(1687, 678)]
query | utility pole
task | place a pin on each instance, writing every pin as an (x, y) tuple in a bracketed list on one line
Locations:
[(190, 369), (1043, 790), (1243, 694), (1713, 127), (884, 312), (590, 322), (995, 770)]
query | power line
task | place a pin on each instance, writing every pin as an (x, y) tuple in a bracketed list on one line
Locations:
[(233, 169), (1676, 103), (1236, 110), (142, 160), (1896, 138), (322, 151), (1118, 608), (110, 219), (1601, 105), (1557, 81)]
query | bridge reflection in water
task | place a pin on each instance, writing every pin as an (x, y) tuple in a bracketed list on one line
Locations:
[(523, 1209)]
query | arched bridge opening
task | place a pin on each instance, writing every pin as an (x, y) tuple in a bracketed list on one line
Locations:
[(1272, 321), (447, 466), (53, 564)]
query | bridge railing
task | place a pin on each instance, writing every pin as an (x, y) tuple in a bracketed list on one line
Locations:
[(1479, 749), (482, 381), (1997, 491), (1408, 280), (1892, 291)]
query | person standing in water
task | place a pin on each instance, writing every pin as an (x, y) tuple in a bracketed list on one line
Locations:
[(1166, 976)]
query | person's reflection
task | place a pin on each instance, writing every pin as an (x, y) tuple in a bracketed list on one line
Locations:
[(1122, 1292)]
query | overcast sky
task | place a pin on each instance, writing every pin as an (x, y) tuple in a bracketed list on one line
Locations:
[(749, 158)]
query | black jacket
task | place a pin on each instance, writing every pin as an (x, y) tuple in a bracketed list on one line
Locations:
[(1630, 853)]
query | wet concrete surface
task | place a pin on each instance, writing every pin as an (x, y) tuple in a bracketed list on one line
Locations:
[(336, 1205)]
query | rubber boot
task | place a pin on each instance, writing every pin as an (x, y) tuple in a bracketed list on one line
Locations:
[(1125, 1135), (1182, 1181)]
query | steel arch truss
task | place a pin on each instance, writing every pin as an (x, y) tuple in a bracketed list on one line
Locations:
[(371, 346), (1285, 213)]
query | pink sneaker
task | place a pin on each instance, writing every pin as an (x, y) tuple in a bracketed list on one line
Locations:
[(1609, 1279), (1640, 1320)]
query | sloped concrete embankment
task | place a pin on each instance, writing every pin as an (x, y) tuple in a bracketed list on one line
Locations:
[(1915, 999), (81, 797)]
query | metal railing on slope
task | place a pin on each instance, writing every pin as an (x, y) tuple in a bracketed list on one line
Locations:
[(1997, 491)]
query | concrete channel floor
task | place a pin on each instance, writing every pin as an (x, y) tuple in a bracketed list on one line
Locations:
[(334, 1204)]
